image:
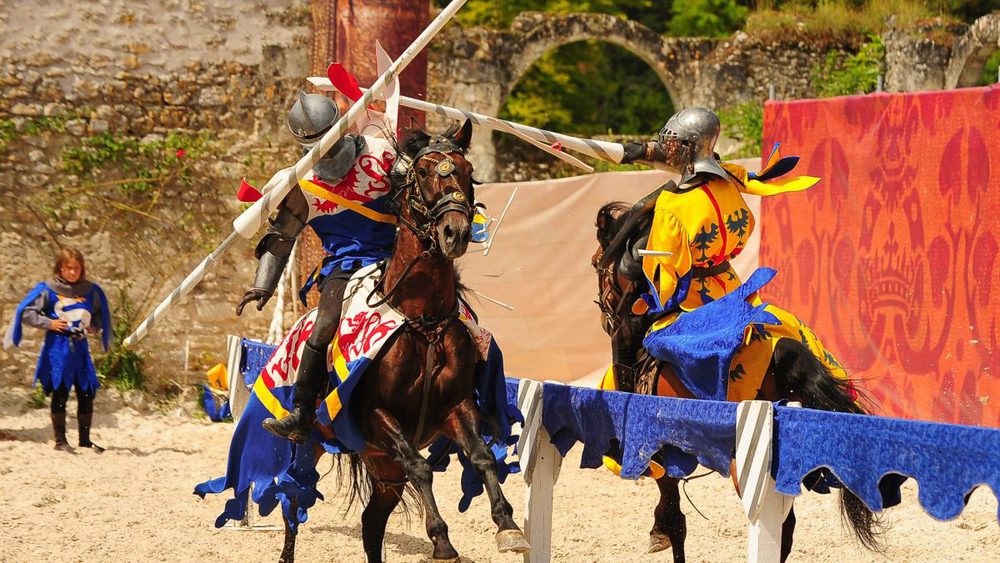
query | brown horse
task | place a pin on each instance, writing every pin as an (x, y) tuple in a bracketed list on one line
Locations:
[(421, 386), (794, 373)]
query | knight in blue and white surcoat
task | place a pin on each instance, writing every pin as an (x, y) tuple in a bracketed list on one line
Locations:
[(345, 200)]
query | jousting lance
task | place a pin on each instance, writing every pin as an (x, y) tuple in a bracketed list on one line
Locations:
[(248, 223), (602, 150)]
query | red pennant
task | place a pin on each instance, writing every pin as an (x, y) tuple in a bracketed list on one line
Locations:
[(248, 193), (344, 81)]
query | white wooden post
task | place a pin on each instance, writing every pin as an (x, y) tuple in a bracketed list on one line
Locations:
[(540, 464), (239, 395), (765, 508)]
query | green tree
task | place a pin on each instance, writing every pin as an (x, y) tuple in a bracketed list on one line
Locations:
[(590, 88), (707, 18), (853, 74)]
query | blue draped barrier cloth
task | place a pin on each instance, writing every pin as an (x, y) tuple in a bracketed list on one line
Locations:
[(690, 432), (255, 356), (947, 461), (281, 472)]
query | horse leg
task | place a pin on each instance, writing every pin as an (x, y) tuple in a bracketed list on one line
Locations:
[(787, 531), (463, 427), (288, 550), (670, 524), (419, 472), (388, 481)]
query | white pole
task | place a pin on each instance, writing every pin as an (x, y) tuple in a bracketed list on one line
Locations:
[(494, 301), (489, 243), (540, 463), (603, 150), (764, 507), (247, 224)]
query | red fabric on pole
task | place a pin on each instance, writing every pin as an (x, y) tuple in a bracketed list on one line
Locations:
[(893, 257)]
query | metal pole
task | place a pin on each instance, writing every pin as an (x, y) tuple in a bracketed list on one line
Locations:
[(503, 214)]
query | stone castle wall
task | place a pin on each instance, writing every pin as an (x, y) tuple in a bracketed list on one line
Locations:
[(142, 69)]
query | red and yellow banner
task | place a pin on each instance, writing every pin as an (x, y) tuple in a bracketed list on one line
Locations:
[(893, 257)]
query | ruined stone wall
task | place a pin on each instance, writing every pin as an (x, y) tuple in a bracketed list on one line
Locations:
[(141, 70)]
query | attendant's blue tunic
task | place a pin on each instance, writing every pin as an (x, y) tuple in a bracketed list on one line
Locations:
[(64, 361)]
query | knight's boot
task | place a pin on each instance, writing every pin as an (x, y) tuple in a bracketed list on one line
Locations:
[(59, 430), (312, 377), (85, 420)]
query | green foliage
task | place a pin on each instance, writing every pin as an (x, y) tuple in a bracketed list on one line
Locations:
[(841, 75), (990, 70), (9, 131), (837, 20), (143, 165), (746, 123), (590, 88), (37, 398), (707, 18), (121, 366), (654, 14)]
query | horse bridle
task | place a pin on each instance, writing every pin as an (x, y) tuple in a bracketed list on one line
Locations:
[(425, 219), (607, 290)]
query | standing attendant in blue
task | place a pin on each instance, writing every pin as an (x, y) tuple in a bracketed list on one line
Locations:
[(67, 307)]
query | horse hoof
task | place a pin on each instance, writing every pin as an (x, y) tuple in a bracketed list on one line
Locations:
[(512, 540), (658, 542)]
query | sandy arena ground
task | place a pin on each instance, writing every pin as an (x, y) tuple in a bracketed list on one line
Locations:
[(134, 503)]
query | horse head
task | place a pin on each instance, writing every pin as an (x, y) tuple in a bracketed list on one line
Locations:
[(621, 231), (435, 180)]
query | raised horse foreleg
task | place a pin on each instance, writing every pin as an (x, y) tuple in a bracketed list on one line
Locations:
[(670, 524), (388, 482), (418, 471), (463, 427)]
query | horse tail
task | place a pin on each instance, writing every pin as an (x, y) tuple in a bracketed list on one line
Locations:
[(361, 483), (801, 376)]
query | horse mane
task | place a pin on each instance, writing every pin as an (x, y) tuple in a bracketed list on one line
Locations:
[(413, 140), (610, 219)]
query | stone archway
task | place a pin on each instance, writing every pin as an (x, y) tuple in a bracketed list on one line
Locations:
[(971, 51), (539, 33), (477, 68)]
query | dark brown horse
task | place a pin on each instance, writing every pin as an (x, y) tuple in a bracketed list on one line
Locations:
[(421, 386), (795, 373)]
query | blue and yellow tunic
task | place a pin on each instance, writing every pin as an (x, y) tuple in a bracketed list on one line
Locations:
[(702, 229)]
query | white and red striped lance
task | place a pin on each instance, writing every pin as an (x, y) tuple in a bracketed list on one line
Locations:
[(247, 224)]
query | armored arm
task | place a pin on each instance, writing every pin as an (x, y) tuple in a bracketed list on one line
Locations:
[(274, 248), (636, 152)]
